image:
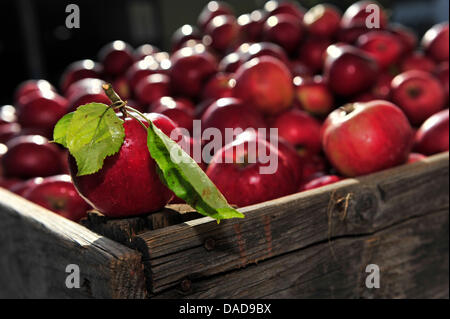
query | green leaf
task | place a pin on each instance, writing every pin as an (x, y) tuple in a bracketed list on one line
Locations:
[(186, 179), (91, 133), (60, 130)]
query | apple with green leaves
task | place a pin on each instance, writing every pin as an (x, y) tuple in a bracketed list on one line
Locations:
[(123, 162)]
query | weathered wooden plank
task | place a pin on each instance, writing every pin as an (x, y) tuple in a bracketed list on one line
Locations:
[(36, 245), (122, 230), (413, 258), (202, 248)]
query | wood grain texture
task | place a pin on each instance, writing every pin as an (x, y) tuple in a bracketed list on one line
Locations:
[(201, 248), (412, 257), (36, 245)]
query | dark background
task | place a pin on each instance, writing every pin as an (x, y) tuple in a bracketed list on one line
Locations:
[(34, 42)]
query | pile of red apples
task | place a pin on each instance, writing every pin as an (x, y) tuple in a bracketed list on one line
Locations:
[(347, 100)]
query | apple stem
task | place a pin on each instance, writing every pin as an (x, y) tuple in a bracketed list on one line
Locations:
[(117, 102)]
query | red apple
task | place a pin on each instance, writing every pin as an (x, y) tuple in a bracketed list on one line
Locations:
[(383, 46), (217, 87), (265, 83), (355, 18), (436, 41), (313, 95), (144, 50), (80, 70), (363, 138), (42, 110), (181, 114), (319, 182), (300, 129), (222, 32), (349, 70), (212, 10), (152, 87), (415, 157), (251, 25), (419, 94), (291, 8), (8, 114), (365, 97), (83, 85), (116, 57), (183, 34), (231, 113), (432, 136), (31, 156), (284, 30), (191, 68), (89, 95), (417, 61), (30, 86), (322, 20), (406, 36), (119, 190), (140, 70), (236, 171), (57, 193), (312, 53)]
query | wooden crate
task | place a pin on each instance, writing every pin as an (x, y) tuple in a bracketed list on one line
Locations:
[(314, 244)]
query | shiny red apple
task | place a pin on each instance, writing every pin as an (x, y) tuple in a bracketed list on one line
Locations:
[(419, 94), (231, 113), (363, 138), (80, 70), (383, 46), (322, 20), (432, 136), (284, 30), (300, 129), (128, 183), (264, 83), (349, 70), (57, 193), (116, 57), (41, 110), (313, 95), (30, 86), (31, 156), (191, 69), (436, 42), (152, 87), (222, 32), (238, 172)]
